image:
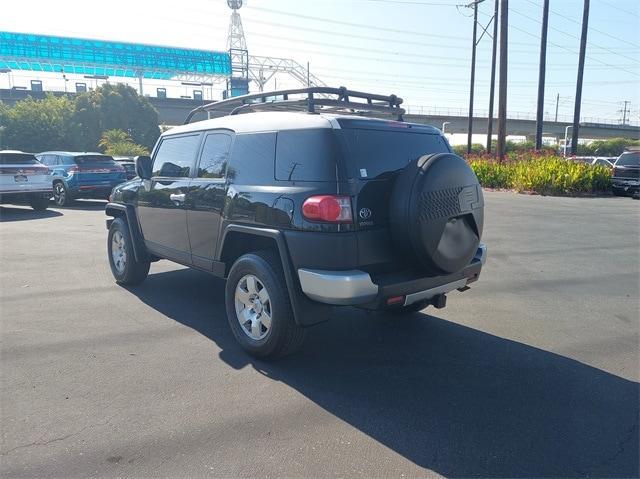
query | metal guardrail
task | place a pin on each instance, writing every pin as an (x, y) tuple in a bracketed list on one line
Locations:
[(511, 115)]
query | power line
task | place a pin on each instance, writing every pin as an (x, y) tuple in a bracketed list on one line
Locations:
[(635, 60), (620, 9), (635, 46), (571, 51)]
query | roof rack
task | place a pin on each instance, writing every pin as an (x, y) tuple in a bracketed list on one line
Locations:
[(312, 100)]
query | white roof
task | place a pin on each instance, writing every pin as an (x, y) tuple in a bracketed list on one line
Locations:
[(257, 122)]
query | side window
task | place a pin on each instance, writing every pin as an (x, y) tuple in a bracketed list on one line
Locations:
[(214, 156), (306, 155), (252, 159), (45, 159), (175, 156)]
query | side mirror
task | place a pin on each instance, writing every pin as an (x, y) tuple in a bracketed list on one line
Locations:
[(143, 167)]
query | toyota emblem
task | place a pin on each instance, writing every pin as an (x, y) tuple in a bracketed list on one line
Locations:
[(365, 213)]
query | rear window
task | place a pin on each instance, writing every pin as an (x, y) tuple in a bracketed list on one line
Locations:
[(629, 159), (379, 152), (306, 155), (94, 160), (17, 159)]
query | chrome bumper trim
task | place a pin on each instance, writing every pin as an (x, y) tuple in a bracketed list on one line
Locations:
[(481, 254), (338, 287)]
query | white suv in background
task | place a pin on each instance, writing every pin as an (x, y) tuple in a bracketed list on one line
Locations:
[(23, 179)]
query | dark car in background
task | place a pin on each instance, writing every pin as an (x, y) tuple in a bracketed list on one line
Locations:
[(626, 174), (129, 164), (23, 179), (82, 175)]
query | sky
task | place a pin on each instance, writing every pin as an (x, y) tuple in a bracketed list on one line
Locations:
[(417, 49)]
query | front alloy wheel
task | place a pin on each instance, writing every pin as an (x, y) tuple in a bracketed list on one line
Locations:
[(253, 307), (125, 267), (60, 196), (118, 252)]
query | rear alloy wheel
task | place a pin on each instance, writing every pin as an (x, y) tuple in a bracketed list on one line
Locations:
[(253, 307), (61, 194), (125, 267), (39, 202), (258, 306)]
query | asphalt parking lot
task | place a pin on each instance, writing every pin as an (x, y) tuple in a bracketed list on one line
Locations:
[(532, 372)]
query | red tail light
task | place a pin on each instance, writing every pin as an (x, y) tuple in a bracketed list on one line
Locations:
[(329, 208)]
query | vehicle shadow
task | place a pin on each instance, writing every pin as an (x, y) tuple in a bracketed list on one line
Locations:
[(83, 204), (8, 214), (449, 398)]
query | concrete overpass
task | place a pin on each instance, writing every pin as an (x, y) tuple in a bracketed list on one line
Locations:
[(172, 111)]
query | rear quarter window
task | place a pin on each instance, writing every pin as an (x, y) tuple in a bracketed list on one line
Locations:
[(306, 155), (252, 158)]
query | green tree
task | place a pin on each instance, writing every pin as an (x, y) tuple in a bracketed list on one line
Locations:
[(115, 107), (38, 125), (119, 143)]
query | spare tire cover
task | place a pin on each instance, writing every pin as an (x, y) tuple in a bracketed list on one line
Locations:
[(437, 212)]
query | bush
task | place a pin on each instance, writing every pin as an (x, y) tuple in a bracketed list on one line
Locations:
[(476, 149), (611, 147), (541, 173)]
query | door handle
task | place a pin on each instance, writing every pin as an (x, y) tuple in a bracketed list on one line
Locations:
[(177, 198)]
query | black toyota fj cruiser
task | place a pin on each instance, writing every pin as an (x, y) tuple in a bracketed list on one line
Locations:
[(303, 210)]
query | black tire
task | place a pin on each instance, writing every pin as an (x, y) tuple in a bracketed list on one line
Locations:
[(39, 202), (408, 310), (617, 191), (61, 195), (131, 271), (283, 336)]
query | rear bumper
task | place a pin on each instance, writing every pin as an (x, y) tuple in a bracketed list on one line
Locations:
[(356, 287)]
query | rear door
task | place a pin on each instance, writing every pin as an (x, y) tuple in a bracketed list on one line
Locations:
[(376, 154), (206, 195), (161, 200)]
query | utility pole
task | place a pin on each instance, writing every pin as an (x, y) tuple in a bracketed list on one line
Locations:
[(502, 93), (541, 74), (624, 112), (492, 86), (557, 103), (583, 48), (473, 73)]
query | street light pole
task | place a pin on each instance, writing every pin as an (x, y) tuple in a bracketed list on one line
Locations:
[(566, 136), (473, 74), (445, 124)]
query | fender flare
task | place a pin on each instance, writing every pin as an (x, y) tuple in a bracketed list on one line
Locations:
[(305, 311), (118, 210)]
